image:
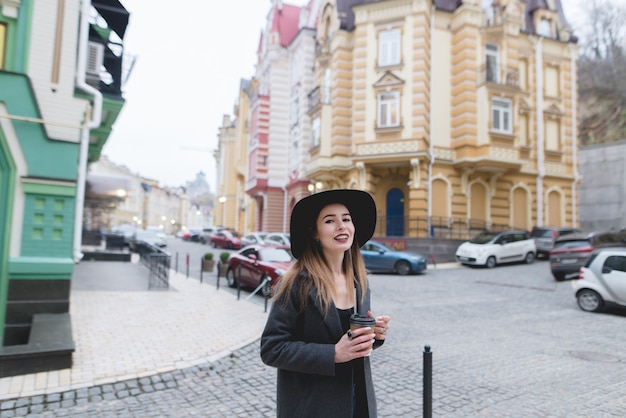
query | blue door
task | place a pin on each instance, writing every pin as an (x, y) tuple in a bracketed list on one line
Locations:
[(395, 213)]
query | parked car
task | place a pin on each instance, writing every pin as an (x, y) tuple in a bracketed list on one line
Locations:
[(191, 235), (205, 235), (126, 231), (572, 251), (491, 248), (602, 280), (159, 231), (226, 239), (146, 236), (254, 263), (379, 258), (545, 236), (278, 238), (253, 238)]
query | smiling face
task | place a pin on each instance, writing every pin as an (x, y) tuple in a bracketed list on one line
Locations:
[(335, 229)]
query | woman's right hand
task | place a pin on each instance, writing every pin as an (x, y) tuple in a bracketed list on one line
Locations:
[(360, 345)]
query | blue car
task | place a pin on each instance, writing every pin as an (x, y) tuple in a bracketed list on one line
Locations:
[(381, 259)]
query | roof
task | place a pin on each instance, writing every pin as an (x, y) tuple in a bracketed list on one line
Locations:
[(285, 21)]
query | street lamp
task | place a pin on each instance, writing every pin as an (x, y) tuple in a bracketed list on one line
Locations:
[(314, 187), (222, 200)]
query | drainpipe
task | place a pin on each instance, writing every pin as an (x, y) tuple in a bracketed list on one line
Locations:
[(540, 139), (431, 146), (94, 118), (285, 203), (574, 138)]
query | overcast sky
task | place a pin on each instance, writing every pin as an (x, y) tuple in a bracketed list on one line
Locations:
[(190, 58)]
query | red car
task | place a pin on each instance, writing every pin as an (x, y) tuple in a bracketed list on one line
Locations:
[(226, 239), (254, 263)]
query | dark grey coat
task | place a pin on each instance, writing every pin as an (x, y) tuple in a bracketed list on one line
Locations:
[(302, 346)]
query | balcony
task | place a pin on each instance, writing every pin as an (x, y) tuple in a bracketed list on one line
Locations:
[(497, 75), (319, 96), (106, 68)]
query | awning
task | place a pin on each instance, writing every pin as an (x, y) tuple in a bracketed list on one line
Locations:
[(103, 186), (114, 13)]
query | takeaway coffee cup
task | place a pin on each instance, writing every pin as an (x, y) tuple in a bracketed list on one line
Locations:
[(359, 321)]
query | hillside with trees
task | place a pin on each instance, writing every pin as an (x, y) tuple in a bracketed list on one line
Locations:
[(602, 72)]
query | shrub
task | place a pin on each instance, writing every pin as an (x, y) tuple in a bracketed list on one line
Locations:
[(208, 256), (224, 257)]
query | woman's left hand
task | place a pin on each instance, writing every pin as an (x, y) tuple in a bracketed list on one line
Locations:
[(382, 325)]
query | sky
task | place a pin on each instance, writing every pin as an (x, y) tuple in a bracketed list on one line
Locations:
[(190, 58)]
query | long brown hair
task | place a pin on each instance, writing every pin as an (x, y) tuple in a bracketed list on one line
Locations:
[(313, 271)]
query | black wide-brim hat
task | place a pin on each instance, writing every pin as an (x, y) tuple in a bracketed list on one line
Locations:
[(304, 215)]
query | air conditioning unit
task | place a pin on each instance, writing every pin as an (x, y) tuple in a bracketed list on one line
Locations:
[(95, 58)]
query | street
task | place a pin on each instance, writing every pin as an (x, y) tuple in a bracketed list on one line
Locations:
[(506, 342)]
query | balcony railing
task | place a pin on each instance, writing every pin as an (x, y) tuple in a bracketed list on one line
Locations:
[(318, 96), (498, 75), (440, 227)]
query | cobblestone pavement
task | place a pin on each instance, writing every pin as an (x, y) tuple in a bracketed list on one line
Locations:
[(506, 342)]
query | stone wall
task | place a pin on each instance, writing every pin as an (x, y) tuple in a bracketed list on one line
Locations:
[(602, 191)]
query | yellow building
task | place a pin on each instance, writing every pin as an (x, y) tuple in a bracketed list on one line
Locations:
[(456, 117)]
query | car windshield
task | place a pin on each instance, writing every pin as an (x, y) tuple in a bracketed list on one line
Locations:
[(580, 243), (541, 233), (483, 238), (279, 255)]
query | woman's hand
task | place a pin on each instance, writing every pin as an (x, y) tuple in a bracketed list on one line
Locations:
[(382, 325), (354, 344)]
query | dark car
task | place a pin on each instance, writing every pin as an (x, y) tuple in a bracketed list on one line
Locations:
[(253, 264), (572, 251), (381, 259), (225, 239), (545, 236), (145, 236)]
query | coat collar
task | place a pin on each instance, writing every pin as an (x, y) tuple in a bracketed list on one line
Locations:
[(333, 322)]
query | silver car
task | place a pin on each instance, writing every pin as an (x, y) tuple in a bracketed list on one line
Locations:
[(602, 281)]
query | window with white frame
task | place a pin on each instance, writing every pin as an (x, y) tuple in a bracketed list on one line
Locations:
[(315, 132), (389, 47), (388, 109), (501, 115)]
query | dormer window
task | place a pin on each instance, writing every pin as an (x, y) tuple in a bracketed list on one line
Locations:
[(544, 28)]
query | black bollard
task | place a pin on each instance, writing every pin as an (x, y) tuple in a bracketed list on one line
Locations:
[(176, 262), (201, 269), (428, 382)]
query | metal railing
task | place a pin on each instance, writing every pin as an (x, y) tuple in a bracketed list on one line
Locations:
[(434, 227), (158, 263)]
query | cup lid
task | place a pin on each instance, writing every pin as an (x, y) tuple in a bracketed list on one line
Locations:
[(362, 320)]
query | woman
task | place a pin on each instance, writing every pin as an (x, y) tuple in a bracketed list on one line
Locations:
[(323, 368)]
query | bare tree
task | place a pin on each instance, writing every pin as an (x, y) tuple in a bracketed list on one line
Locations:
[(602, 70)]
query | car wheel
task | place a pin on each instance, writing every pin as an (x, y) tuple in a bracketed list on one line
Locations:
[(213, 244), (491, 262), (559, 277), (403, 267), (589, 300), (530, 257), (231, 279)]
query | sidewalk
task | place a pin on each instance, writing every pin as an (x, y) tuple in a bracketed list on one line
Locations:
[(124, 331)]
